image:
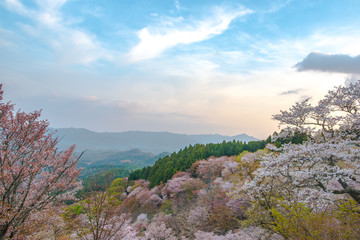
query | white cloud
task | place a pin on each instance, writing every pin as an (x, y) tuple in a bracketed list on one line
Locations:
[(276, 6), (155, 40), (48, 19), (73, 45), (286, 52), (215, 89), (16, 6), (78, 47)]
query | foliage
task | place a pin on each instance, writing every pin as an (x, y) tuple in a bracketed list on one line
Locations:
[(73, 211), (296, 137), (166, 207), (297, 221), (88, 171), (240, 235), (305, 181), (159, 231), (96, 217), (33, 174), (141, 200), (167, 166), (222, 219), (101, 180), (98, 211), (306, 185), (199, 217), (177, 209), (48, 224), (94, 161), (117, 187)]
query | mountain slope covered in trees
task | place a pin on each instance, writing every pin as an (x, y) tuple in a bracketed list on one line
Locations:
[(167, 166), (94, 161), (305, 184)]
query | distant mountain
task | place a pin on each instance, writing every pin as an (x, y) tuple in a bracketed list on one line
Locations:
[(154, 142)]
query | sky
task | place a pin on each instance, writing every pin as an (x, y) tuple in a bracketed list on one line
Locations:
[(182, 66)]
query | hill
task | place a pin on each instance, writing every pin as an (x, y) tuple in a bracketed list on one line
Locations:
[(182, 160), (93, 161), (154, 142)]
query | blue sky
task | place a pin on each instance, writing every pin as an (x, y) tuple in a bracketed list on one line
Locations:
[(180, 66)]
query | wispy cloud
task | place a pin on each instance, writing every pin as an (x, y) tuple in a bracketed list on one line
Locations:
[(94, 11), (72, 45), (47, 14), (290, 92), (177, 5), (277, 5), (155, 40), (16, 6)]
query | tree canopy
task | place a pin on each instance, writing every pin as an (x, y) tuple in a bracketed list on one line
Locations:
[(167, 166), (34, 175), (315, 179)]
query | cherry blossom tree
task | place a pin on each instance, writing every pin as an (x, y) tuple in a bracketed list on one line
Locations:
[(199, 217), (99, 218), (318, 172), (159, 231), (34, 175), (329, 163), (240, 235)]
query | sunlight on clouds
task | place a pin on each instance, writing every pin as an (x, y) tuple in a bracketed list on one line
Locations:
[(91, 98), (48, 19), (343, 42), (154, 40), (239, 105), (209, 70), (82, 39)]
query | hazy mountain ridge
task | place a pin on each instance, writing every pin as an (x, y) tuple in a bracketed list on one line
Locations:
[(128, 159), (154, 142)]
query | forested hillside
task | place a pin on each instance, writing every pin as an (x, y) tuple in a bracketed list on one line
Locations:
[(193, 204), (304, 184), (92, 162), (179, 120), (167, 166)]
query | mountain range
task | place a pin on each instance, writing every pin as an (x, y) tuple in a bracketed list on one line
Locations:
[(154, 142)]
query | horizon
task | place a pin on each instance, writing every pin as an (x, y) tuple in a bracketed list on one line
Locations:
[(185, 67), (159, 132)]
